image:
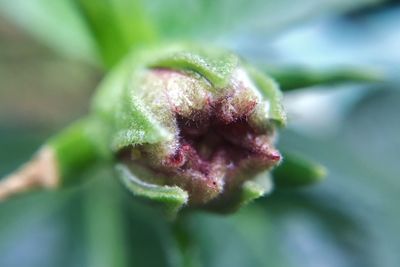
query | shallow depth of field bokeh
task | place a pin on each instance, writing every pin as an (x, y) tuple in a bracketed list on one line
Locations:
[(350, 219)]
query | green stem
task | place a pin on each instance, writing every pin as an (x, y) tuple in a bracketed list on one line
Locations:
[(75, 151), (187, 246), (107, 245)]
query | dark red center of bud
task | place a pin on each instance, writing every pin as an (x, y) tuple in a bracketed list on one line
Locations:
[(218, 152)]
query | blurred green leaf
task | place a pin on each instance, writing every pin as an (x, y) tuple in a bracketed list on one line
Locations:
[(292, 78), (297, 171), (56, 23), (117, 26)]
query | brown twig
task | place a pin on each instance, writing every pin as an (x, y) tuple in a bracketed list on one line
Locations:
[(40, 172)]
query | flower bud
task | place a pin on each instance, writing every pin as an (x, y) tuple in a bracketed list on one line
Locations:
[(197, 119)]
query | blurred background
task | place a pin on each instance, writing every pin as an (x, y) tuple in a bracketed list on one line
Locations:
[(50, 65)]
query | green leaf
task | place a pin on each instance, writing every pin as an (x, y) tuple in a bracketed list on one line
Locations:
[(297, 171), (93, 31), (171, 198), (117, 26), (298, 77)]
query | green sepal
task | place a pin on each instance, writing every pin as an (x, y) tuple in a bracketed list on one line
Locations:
[(292, 77), (76, 150), (256, 188), (271, 91), (124, 115), (171, 198), (297, 171), (250, 190), (216, 65)]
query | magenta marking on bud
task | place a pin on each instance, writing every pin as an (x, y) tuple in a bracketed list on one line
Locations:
[(274, 155), (176, 160)]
